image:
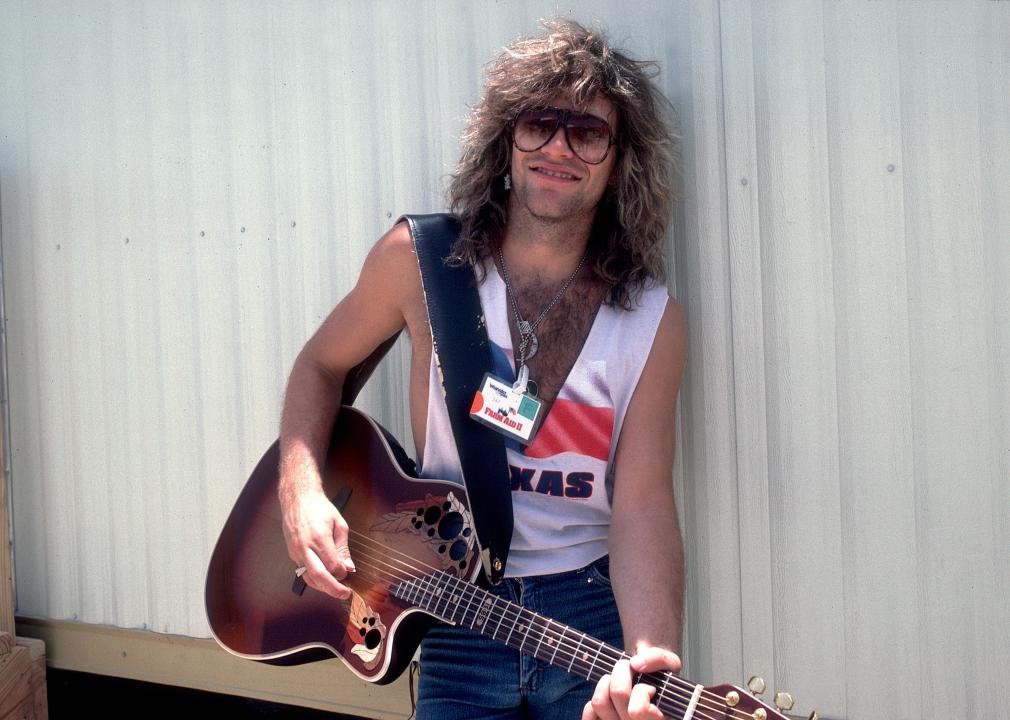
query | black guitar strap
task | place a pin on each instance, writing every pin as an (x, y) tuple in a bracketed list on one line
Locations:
[(463, 354)]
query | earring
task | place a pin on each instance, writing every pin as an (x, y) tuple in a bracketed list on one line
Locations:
[(508, 181)]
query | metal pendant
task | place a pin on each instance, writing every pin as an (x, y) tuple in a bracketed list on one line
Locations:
[(528, 342)]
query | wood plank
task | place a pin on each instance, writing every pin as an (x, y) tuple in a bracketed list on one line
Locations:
[(15, 676), (6, 556), (7, 602), (203, 665), (22, 679), (9, 208), (37, 705)]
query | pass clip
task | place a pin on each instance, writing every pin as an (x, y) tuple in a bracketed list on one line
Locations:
[(523, 380)]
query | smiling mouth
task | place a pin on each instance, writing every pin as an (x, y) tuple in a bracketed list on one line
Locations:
[(554, 174)]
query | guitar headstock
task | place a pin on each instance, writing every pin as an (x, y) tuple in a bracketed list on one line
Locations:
[(747, 706)]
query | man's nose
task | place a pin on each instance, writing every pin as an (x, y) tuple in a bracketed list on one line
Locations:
[(558, 144)]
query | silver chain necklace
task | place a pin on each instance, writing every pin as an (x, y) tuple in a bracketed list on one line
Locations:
[(528, 341)]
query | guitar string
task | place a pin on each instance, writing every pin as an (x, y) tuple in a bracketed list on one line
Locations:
[(686, 689), (674, 703), (679, 700), (708, 697)]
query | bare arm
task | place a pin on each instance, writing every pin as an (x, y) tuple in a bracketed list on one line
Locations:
[(374, 310), (646, 549)]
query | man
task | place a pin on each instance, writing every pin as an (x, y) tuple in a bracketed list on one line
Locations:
[(563, 192)]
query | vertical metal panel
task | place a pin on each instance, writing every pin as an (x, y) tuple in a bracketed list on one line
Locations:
[(800, 362), (189, 187), (876, 472), (708, 397), (953, 324), (993, 65), (743, 212)]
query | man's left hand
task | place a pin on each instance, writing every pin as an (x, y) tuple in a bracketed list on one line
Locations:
[(616, 698)]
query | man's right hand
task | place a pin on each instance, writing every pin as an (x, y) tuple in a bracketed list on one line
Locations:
[(316, 537), (314, 531)]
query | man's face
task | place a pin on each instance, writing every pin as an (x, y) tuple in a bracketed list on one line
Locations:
[(552, 183)]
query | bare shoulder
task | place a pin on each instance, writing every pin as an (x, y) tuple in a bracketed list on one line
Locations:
[(669, 349), (380, 304), (392, 260), (674, 314), (390, 274), (393, 269)]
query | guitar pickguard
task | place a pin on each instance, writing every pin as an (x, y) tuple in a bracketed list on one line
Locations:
[(366, 631), (443, 524)]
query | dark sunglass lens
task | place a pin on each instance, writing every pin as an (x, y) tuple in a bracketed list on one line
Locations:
[(533, 128), (589, 136)]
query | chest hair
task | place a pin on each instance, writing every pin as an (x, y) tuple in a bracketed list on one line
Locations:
[(561, 334)]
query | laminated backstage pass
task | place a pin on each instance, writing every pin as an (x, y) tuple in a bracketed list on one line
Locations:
[(506, 408)]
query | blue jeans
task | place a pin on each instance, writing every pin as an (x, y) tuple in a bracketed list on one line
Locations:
[(465, 676)]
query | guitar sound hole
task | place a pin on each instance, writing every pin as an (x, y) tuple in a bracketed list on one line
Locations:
[(450, 526), (458, 550)]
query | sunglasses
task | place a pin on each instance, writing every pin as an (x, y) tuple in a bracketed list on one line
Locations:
[(588, 136)]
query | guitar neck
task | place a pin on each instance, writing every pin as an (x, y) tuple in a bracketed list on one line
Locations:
[(459, 602)]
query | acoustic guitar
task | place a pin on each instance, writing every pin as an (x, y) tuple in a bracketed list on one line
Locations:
[(415, 552)]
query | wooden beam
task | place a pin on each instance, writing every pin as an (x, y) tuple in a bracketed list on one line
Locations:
[(203, 665), (6, 558), (6, 554)]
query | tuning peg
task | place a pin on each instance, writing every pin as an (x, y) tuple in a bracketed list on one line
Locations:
[(783, 701), (756, 685)]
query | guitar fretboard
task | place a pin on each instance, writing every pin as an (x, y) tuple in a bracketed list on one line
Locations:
[(461, 603)]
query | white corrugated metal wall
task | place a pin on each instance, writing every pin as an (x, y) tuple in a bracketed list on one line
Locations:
[(187, 188)]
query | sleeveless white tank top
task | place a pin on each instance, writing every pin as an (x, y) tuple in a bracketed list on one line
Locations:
[(562, 483)]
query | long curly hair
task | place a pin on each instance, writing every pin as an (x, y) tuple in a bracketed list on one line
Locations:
[(628, 236)]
